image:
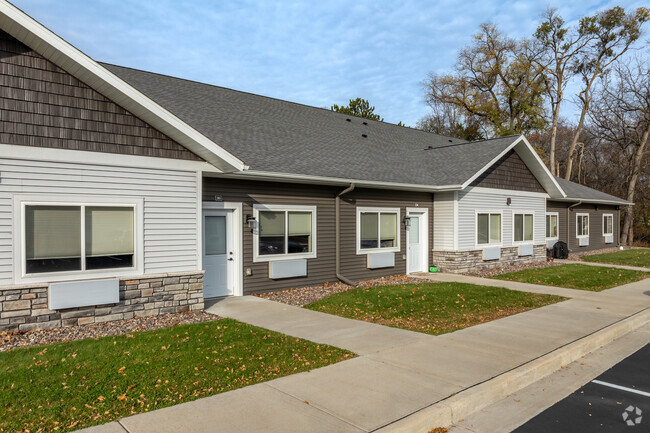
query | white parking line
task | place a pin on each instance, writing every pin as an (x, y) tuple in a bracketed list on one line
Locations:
[(611, 385)]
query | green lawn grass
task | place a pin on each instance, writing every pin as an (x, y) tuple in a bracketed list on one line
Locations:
[(576, 276), (67, 386), (432, 308), (639, 258)]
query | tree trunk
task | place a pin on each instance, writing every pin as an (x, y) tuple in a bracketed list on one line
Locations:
[(574, 142), (626, 235), (556, 114)]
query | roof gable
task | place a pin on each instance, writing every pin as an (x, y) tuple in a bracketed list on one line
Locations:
[(44, 106), (50, 46), (509, 172)]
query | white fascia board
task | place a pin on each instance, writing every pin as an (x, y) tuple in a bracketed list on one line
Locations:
[(532, 161), (324, 180), (52, 47), (13, 151), (530, 157), (511, 192)]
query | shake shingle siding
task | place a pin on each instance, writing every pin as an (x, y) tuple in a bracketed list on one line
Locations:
[(322, 268), (509, 172), (42, 105)]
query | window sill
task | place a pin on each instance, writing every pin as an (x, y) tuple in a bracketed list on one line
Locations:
[(377, 250), (483, 246), (282, 257), (52, 277)]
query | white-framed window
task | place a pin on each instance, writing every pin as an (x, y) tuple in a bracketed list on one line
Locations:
[(552, 219), (582, 225), (67, 239), (608, 224), (489, 228), (523, 227), (284, 232), (378, 230)]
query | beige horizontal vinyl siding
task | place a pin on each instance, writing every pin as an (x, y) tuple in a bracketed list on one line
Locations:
[(169, 196)]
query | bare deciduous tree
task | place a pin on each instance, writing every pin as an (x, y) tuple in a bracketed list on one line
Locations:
[(621, 116), (560, 46), (495, 82), (612, 33)]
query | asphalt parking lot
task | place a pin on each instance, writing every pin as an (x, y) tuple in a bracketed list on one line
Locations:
[(616, 401)]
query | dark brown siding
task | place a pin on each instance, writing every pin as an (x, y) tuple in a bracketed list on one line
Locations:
[(567, 230), (322, 268), (42, 105), (509, 172)]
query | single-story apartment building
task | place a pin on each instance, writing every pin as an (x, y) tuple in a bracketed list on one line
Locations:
[(127, 193)]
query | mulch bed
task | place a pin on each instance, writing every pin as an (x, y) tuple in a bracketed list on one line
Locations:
[(536, 265), (301, 296), (13, 339), (485, 273), (579, 256)]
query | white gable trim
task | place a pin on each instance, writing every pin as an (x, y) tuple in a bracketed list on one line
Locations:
[(14, 151), (532, 160), (52, 47)]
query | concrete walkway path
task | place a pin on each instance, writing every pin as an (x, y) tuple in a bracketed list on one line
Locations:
[(512, 285), (354, 335), (607, 265), (403, 381)]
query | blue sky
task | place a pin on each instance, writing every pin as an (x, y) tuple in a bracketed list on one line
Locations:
[(315, 53)]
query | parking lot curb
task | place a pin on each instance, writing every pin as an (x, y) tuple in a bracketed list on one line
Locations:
[(459, 406)]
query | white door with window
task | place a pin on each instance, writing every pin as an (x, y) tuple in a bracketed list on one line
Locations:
[(218, 253), (416, 242)]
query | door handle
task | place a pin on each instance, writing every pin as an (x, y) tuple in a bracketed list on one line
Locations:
[(230, 259)]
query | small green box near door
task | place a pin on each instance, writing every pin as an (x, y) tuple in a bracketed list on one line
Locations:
[(433, 269)]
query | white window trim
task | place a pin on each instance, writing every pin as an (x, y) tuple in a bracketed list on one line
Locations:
[(488, 244), (524, 242), (257, 258), (557, 216), (394, 249), (605, 215), (578, 215), (21, 201)]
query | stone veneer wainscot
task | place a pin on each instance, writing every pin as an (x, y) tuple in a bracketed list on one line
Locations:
[(24, 307), (465, 261)]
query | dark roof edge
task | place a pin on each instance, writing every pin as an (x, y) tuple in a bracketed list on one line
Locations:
[(592, 201), (324, 180)]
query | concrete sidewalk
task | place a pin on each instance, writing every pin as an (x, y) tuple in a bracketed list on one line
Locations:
[(403, 381), (607, 265)]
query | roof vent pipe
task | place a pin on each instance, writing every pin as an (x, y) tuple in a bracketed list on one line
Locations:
[(338, 236)]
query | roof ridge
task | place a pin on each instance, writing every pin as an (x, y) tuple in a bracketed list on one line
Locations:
[(327, 110)]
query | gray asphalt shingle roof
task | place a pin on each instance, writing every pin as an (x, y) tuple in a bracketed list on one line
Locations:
[(576, 191), (278, 136)]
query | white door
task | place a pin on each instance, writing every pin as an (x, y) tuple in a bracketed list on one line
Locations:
[(416, 243), (218, 253)]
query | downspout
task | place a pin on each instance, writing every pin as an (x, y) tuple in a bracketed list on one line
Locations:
[(338, 235), (568, 222)]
